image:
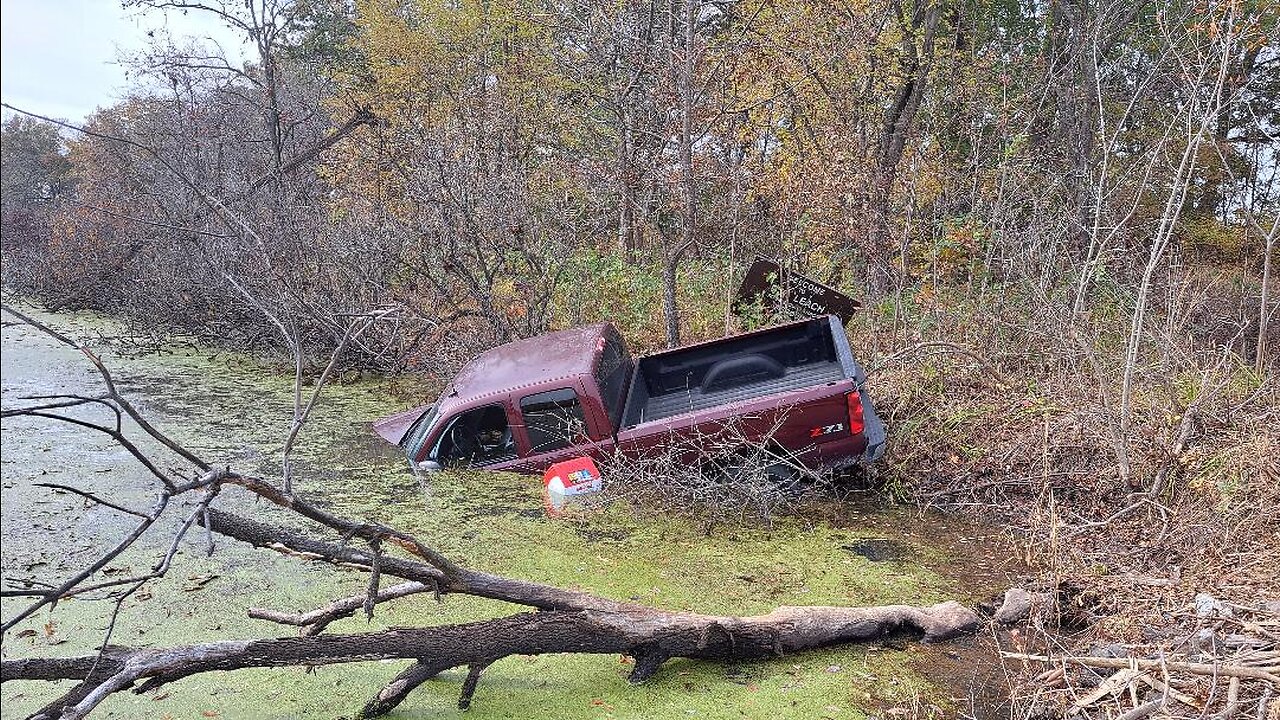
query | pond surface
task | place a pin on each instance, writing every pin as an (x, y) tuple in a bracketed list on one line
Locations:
[(235, 410)]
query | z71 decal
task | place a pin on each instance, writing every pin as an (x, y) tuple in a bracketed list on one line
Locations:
[(826, 430)]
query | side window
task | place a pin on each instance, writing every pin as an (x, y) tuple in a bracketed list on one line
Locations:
[(553, 419), (476, 437)]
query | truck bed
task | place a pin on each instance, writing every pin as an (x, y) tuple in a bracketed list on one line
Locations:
[(694, 399), (704, 376)]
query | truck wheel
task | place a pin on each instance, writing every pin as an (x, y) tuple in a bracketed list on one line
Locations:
[(751, 464), (787, 478)]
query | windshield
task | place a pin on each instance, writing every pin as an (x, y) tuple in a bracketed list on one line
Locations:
[(418, 432)]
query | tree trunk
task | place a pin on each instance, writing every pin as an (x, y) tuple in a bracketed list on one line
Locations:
[(915, 64), (1072, 80), (689, 204), (626, 182), (1264, 314), (670, 313)]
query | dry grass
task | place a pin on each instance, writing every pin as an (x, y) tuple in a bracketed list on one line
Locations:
[(1123, 523)]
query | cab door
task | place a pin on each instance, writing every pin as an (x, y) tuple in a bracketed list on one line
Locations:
[(554, 427)]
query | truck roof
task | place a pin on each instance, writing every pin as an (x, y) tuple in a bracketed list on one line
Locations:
[(548, 358), (531, 361)]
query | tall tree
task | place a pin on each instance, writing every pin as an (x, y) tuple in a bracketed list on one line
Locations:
[(34, 169)]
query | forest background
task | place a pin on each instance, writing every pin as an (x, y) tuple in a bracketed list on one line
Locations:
[(1060, 217)]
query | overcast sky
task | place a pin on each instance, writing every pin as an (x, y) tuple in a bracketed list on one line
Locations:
[(61, 57)]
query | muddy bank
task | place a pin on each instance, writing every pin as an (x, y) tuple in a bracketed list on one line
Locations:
[(235, 410)]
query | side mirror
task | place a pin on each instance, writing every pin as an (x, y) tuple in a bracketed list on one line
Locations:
[(429, 466)]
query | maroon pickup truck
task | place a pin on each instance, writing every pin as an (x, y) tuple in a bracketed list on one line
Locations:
[(531, 403)]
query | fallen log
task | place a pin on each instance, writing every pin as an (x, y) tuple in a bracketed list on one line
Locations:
[(566, 621), (650, 636)]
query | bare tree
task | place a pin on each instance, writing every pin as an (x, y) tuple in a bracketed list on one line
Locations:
[(1198, 116)]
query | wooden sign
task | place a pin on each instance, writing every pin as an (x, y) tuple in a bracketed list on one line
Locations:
[(770, 286)]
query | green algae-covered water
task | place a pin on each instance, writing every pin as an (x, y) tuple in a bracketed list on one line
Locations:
[(235, 410)]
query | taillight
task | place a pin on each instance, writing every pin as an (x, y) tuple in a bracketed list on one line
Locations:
[(856, 425)]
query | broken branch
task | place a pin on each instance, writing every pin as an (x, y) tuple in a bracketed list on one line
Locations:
[(1267, 673), (316, 620)]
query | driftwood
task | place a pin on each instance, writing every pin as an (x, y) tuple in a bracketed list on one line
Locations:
[(1267, 673), (562, 620)]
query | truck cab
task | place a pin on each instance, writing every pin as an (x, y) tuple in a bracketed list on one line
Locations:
[(528, 404)]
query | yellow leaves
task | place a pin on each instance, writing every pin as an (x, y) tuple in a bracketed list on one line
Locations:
[(503, 291), (444, 75), (817, 79), (432, 57), (927, 294)]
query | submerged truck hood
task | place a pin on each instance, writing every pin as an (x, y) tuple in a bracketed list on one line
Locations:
[(393, 427)]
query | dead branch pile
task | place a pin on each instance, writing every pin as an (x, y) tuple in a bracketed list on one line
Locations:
[(1207, 659), (724, 476)]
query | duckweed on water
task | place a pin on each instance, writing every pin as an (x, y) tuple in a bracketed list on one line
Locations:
[(233, 410)]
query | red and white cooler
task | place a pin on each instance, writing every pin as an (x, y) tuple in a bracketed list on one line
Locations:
[(567, 481)]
